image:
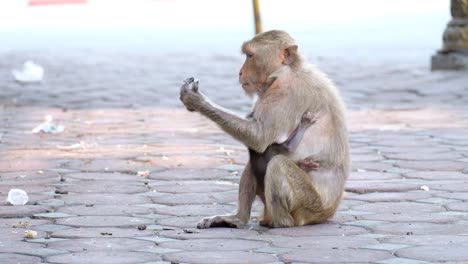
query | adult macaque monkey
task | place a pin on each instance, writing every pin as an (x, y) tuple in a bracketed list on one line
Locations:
[(295, 190)]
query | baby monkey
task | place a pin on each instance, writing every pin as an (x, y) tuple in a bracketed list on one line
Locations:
[(259, 161)]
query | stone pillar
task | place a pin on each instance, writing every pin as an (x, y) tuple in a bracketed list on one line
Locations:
[(454, 52)]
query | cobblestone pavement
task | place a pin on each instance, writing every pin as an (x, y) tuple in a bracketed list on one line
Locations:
[(408, 129)]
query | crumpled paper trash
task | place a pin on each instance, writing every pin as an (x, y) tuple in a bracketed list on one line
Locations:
[(48, 127), (30, 73), (17, 197)]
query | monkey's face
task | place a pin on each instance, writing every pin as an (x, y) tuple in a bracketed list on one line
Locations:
[(259, 63)]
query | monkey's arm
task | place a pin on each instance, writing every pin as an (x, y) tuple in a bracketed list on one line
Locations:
[(251, 132), (273, 124)]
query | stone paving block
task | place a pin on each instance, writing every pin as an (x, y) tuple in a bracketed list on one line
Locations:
[(44, 252), (437, 175), (93, 199), (194, 186), (221, 233), (401, 261), (219, 257), (51, 202), (434, 253), (103, 221), (108, 257), (17, 258), (336, 256), (100, 244), (105, 187), (195, 198), (427, 240), (412, 216), (436, 200), (368, 224), (389, 196), (20, 247), (21, 211), (317, 230), (54, 215), (386, 246), (420, 229), (399, 207), (51, 227), (455, 186), (103, 176), (102, 210), (362, 187), (197, 209), (98, 232), (367, 175), (322, 242), (214, 244), (190, 174), (463, 196), (434, 165)]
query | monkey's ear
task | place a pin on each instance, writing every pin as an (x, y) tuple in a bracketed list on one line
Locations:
[(290, 54)]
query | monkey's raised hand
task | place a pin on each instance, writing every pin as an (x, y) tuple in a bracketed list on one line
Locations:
[(190, 96)]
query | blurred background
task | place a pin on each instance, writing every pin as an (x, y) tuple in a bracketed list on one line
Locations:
[(366, 29)]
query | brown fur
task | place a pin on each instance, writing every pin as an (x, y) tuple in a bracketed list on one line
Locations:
[(286, 87)]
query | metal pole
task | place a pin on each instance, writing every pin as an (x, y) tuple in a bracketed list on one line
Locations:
[(258, 22)]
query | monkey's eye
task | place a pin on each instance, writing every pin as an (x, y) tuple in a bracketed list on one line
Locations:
[(249, 56)]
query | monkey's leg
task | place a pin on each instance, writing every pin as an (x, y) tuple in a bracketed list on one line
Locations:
[(247, 192), (290, 196)]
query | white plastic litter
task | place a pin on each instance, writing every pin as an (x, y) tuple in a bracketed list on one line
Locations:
[(17, 197), (48, 126), (30, 73)]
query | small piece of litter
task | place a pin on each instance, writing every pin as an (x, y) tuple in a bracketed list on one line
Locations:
[(30, 234), (48, 127), (165, 158), (424, 188), (106, 234), (234, 173), (30, 73), (143, 173), (141, 227), (17, 197), (361, 170)]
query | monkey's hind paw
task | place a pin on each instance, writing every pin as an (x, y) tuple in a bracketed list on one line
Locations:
[(220, 221), (308, 165)]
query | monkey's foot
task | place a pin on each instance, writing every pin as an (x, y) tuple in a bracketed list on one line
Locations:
[(265, 221), (220, 221), (308, 165), (307, 119)]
